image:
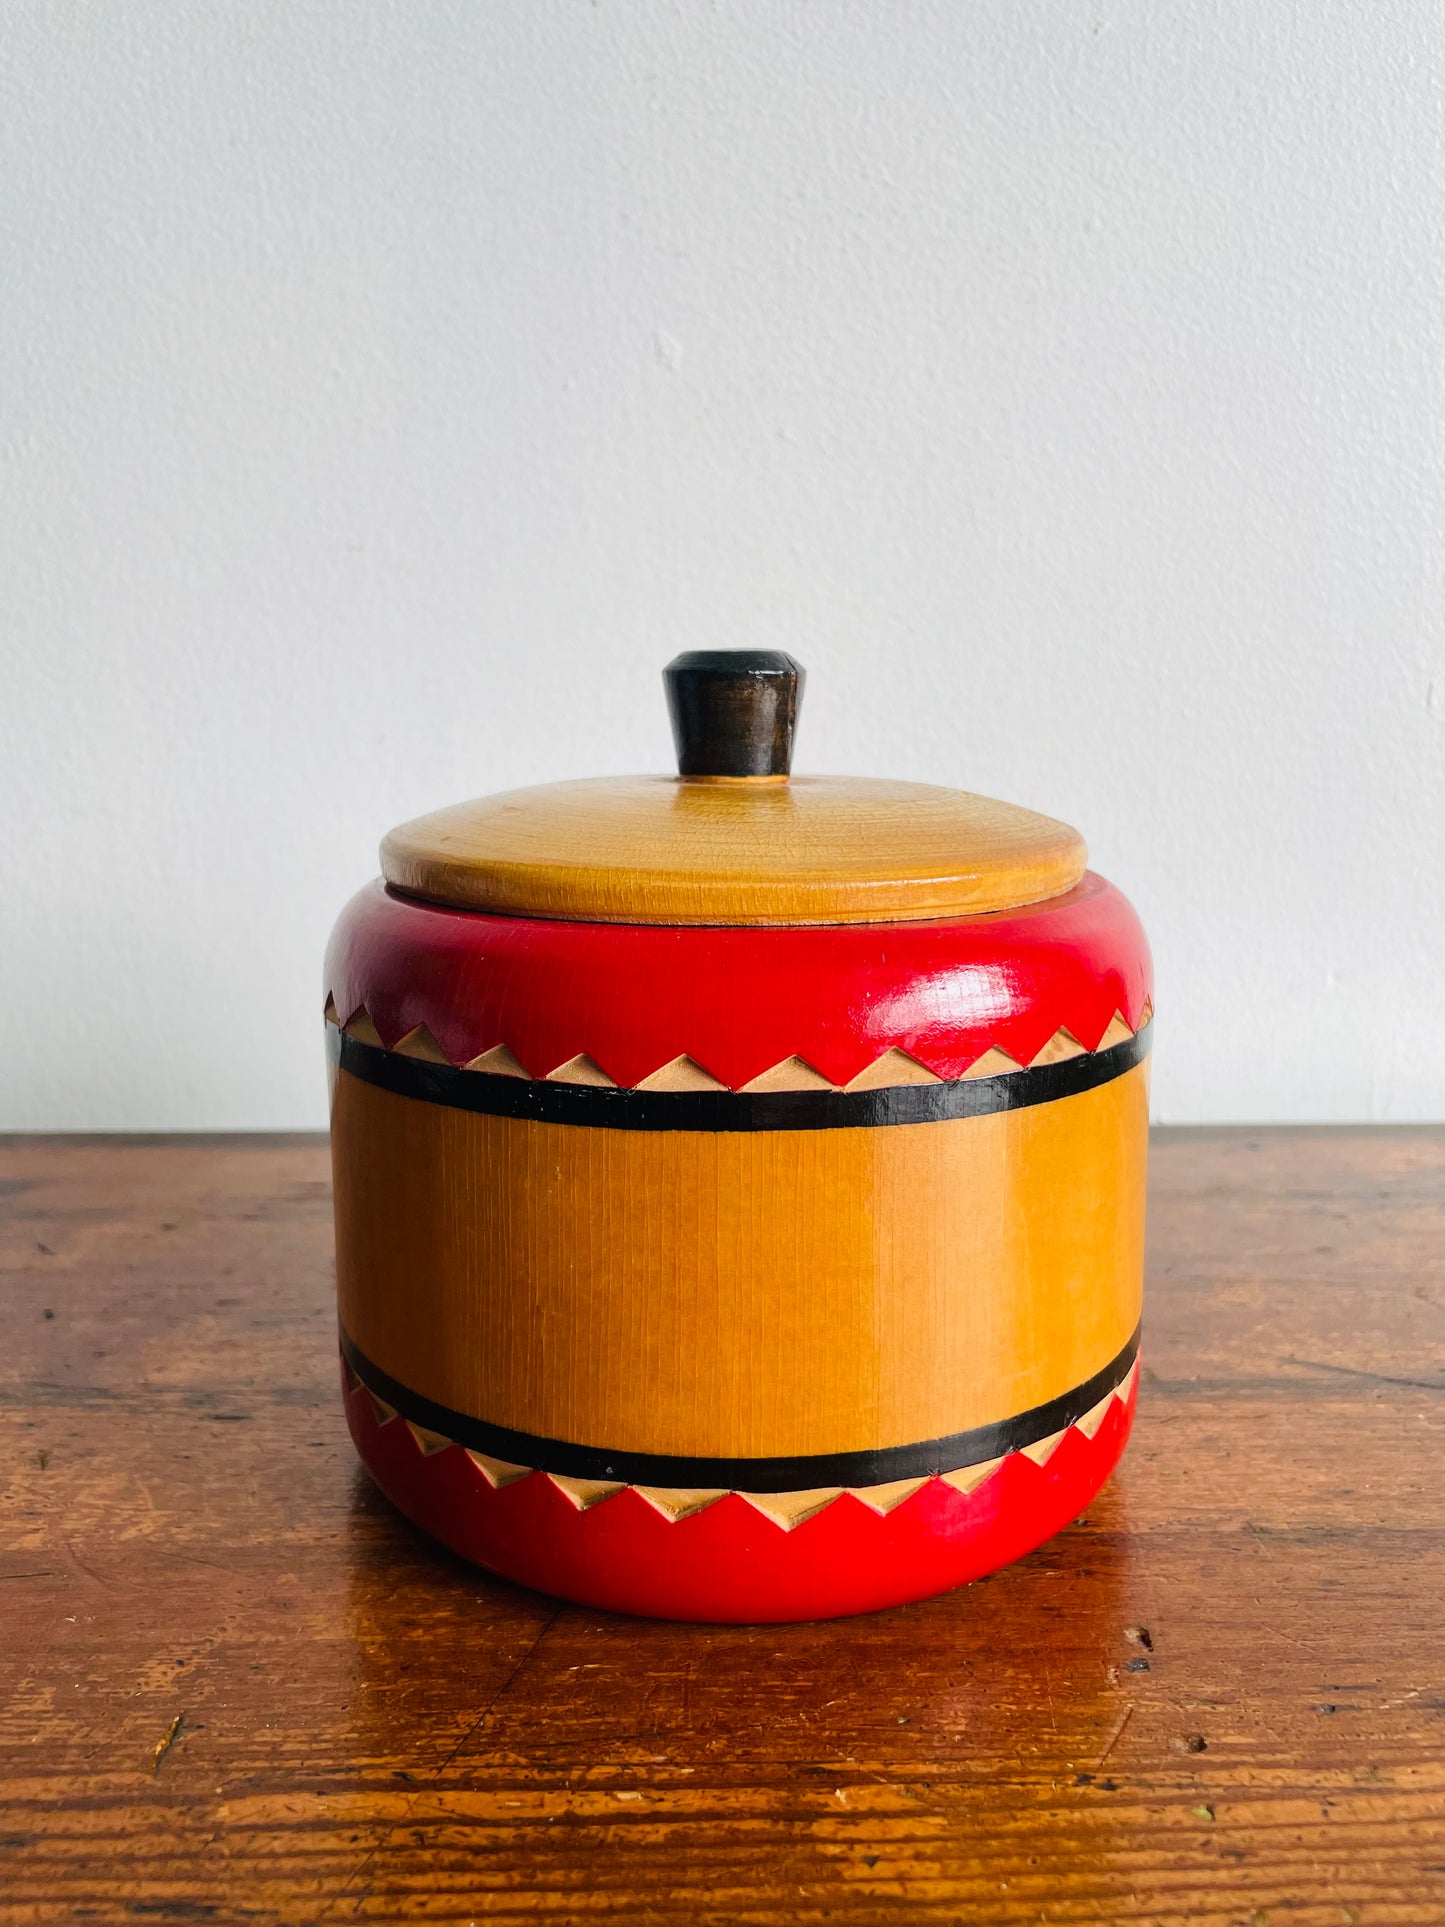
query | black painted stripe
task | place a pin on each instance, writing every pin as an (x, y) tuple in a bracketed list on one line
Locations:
[(804, 1474), (633, 1110)]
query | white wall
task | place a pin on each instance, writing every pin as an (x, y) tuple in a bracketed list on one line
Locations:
[(388, 390)]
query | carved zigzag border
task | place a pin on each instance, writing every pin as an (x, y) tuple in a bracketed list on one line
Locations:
[(784, 1509), (893, 1069)]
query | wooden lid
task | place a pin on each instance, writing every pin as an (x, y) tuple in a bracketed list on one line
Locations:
[(734, 839)]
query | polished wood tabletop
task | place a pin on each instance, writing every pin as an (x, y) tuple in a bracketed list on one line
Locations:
[(237, 1687)]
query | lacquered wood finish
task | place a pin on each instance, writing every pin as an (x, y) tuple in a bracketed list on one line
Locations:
[(663, 850), (372, 1730), (732, 1556), (551, 1242), (737, 1003), (729, 1294)]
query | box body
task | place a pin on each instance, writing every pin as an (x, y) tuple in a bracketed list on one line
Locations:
[(740, 1273)]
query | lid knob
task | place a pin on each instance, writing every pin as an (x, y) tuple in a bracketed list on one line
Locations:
[(733, 711)]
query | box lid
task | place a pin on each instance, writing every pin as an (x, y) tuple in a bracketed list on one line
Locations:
[(734, 838)]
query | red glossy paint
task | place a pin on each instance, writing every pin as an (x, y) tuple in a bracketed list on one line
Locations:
[(633, 997), (729, 1563)]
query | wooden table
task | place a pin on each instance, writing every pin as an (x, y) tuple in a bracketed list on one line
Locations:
[(237, 1687)]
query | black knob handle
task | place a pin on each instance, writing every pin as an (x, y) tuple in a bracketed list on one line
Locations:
[(733, 711)]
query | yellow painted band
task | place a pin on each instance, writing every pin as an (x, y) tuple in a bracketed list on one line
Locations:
[(719, 1294)]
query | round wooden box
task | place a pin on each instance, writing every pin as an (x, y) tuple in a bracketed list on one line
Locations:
[(739, 1179)]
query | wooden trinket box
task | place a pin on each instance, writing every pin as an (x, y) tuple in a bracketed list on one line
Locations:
[(739, 1177)]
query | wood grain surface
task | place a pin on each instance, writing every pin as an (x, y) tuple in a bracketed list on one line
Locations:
[(236, 1687), (730, 1294), (660, 849)]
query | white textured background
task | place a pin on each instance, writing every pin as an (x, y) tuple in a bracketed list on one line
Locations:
[(388, 390)]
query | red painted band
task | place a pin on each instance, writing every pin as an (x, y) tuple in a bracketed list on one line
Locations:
[(738, 1001), (729, 1563)]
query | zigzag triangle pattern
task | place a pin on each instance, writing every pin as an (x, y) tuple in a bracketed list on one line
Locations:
[(786, 1510), (894, 1068)]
